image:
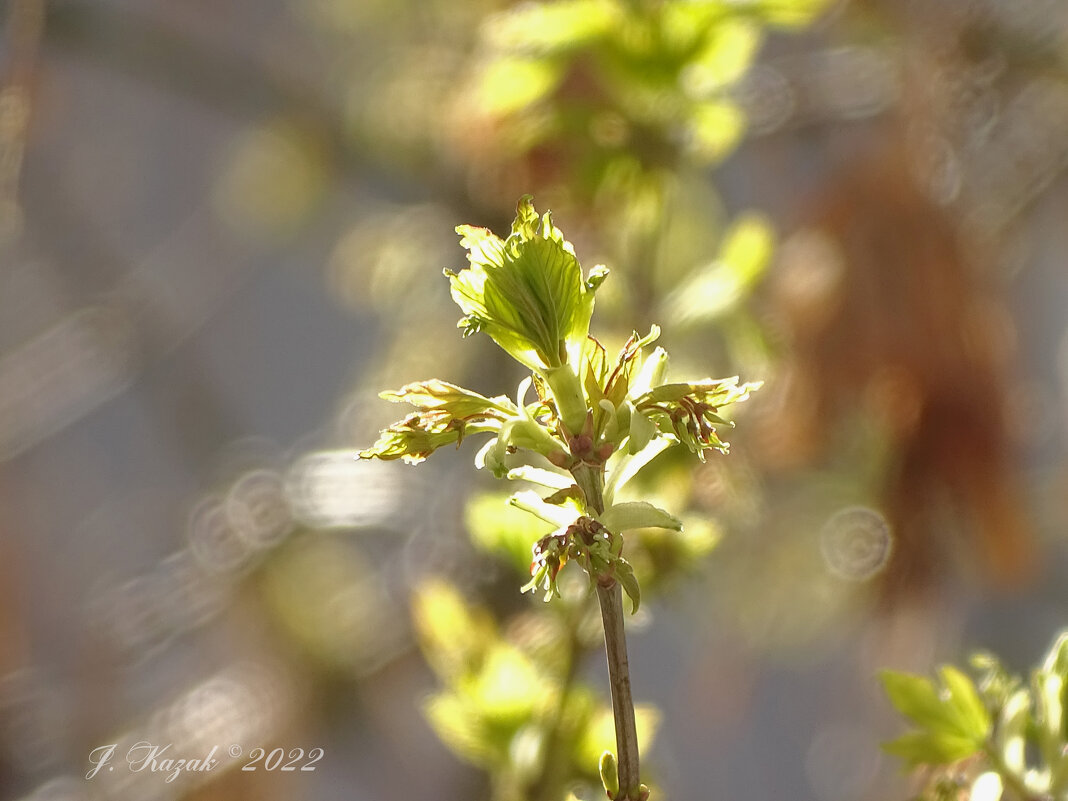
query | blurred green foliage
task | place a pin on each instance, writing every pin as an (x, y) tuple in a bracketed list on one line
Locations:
[(992, 737), (601, 91), (613, 110), (510, 702)]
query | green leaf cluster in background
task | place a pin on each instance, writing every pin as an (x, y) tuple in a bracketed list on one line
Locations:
[(511, 701), (614, 110), (953, 722), (993, 737), (597, 82)]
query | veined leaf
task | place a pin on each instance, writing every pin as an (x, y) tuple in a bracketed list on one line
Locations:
[(458, 402), (529, 501), (917, 698), (964, 700), (526, 292), (638, 514), (930, 748)]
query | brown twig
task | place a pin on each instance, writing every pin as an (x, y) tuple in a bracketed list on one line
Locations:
[(615, 641), (610, 598)]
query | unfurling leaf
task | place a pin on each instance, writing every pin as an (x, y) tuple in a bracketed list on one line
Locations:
[(953, 721), (447, 413), (690, 410), (527, 292), (458, 402)]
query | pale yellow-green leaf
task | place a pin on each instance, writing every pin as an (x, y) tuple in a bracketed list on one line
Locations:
[(968, 709), (1011, 731), (727, 52), (510, 84), (1049, 694), (539, 475), (718, 287), (638, 514), (558, 516), (501, 528), (716, 127), (550, 27), (527, 293), (452, 633), (459, 726), (505, 690)]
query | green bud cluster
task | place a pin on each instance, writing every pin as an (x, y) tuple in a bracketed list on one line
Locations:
[(593, 422)]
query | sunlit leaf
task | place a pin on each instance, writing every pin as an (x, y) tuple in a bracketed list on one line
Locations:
[(460, 403), (917, 698), (531, 502), (785, 13), (954, 720), (447, 413), (718, 287), (504, 690), (538, 475), (1057, 659), (453, 634), (638, 514), (716, 127), (728, 49), (459, 726), (550, 27), (624, 466), (527, 292), (511, 84), (501, 528), (411, 440), (1049, 695), (931, 748), (970, 713), (651, 374), (690, 410), (1010, 737)]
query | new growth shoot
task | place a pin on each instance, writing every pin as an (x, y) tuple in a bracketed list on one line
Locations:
[(580, 427)]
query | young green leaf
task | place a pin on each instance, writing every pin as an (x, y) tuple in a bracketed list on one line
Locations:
[(916, 698), (638, 514), (530, 501), (457, 402), (526, 292), (447, 413), (1049, 715), (931, 748), (1010, 738), (967, 707), (689, 410)]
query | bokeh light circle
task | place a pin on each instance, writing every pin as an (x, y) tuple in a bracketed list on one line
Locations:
[(856, 543)]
